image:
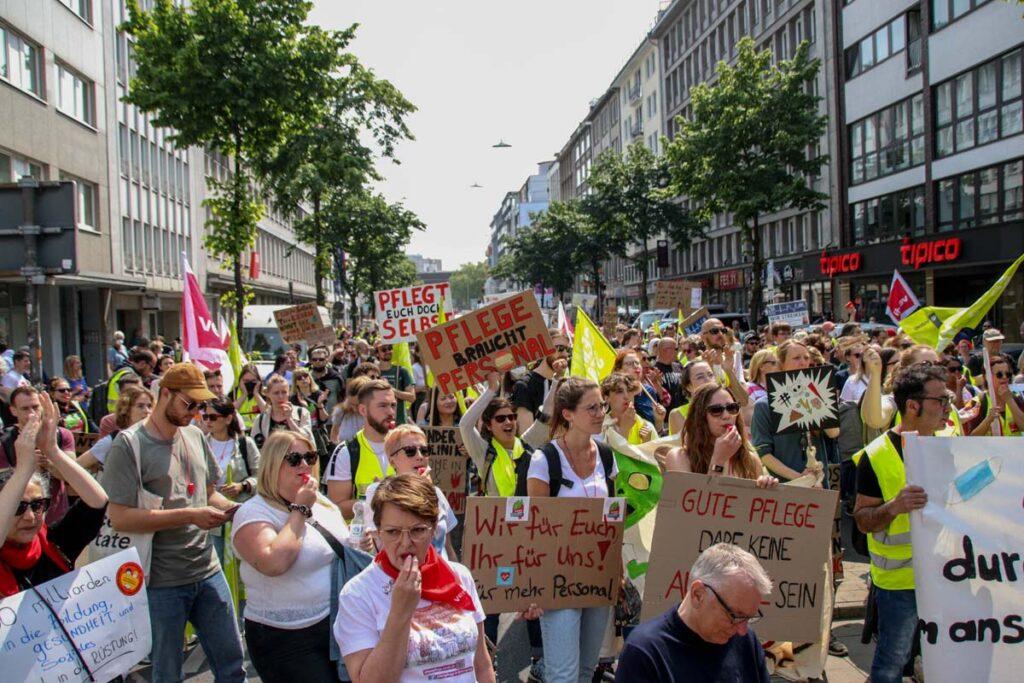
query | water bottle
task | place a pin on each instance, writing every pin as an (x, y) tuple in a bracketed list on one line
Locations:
[(358, 526)]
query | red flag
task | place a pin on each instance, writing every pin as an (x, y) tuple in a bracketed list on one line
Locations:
[(902, 301), (204, 342)]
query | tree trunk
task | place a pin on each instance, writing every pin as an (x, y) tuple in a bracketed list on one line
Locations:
[(597, 289), (644, 303), (319, 257), (238, 188), (757, 286)]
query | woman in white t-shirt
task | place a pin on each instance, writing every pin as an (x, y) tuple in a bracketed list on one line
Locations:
[(281, 535), (411, 616), (572, 637), (406, 446)]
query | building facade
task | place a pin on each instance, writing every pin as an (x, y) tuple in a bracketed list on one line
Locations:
[(932, 167), (516, 213)]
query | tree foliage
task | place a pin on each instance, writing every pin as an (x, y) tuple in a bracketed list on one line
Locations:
[(467, 284), (239, 77), (627, 206), (545, 252), (751, 146)]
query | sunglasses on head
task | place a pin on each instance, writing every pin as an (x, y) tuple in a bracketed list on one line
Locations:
[(719, 408), (293, 459), (505, 417), (38, 505), (411, 451)]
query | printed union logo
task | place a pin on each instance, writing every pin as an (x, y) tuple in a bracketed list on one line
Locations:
[(129, 578)]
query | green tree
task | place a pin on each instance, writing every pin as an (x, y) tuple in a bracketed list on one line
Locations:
[(238, 77), (751, 146), (542, 254), (332, 155), (467, 284), (628, 206)]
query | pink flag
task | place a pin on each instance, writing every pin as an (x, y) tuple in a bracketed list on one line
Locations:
[(902, 301), (204, 342), (563, 323)]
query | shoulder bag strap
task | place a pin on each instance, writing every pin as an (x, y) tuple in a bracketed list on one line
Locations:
[(335, 544)]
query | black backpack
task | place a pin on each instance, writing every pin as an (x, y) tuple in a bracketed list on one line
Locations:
[(98, 402), (555, 479)]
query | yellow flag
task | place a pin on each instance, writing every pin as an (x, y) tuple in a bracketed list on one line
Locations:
[(656, 329), (923, 324), (592, 356), (973, 315)]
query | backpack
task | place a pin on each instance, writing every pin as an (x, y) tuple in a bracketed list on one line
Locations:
[(555, 479), (98, 402), (851, 430)]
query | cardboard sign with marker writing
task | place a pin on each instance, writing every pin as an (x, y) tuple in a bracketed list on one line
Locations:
[(788, 529), (448, 464), (675, 294), (609, 318), (499, 337), (303, 323), (403, 312), (554, 552)]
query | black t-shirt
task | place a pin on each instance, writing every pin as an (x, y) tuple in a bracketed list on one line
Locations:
[(529, 392), (867, 481), (71, 535), (671, 380), (666, 650)]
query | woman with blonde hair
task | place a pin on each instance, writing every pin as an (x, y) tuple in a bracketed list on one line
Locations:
[(133, 405), (762, 363), (280, 413), (284, 536), (411, 615)]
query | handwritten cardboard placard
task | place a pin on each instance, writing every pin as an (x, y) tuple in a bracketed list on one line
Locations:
[(84, 442), (504, 335), (789, 530), (677, 294), (401, 313), (802, 400), (609, 319), (303, 323), (448, 464), (691, 323), (103, 606), (555, 552)]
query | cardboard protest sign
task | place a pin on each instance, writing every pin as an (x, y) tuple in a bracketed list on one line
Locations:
[(102, 606), (401, 313), (448, 464), (789, 530), (303, 323), (793, 313), (84, 442), (677, 294), (495, 338), (967, 547), (609, 318), (555, 552), (692, 322), (802, 400)]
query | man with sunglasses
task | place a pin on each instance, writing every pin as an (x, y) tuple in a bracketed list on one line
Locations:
[(185, 579), (399, 378), (707, 638), (326, 377), (529, 392), (881, 511)]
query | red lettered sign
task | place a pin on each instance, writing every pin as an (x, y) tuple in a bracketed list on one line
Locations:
[(404, 312)]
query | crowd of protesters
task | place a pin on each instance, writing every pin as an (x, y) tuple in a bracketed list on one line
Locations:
[(276, 478)]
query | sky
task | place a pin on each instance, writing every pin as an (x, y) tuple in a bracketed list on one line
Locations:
[(523, 71)]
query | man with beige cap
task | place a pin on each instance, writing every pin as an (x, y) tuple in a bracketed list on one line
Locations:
[(185, 578)]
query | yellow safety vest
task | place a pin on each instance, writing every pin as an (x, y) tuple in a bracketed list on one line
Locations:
[(953, 427), (503, 468), (113, 393), (368, 470), (1006, 427), (683, 410), (892, 566), (249, 412)]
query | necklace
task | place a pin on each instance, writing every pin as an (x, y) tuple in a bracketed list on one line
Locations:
[(583, 479)]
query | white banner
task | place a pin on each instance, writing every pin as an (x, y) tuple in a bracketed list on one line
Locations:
[(404, 312), (102, 606), (968, 541), (792, 312)]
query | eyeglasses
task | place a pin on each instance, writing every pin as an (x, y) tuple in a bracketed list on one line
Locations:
[(417, 534), (597, 408), (505, 417), (192, 406), (411, 451), (718, 408), (944, 400), (293, 459), (210, 417), (717, 330), (62, 390), (561, 348), (1002, 375), (38, 505), (736, 618)]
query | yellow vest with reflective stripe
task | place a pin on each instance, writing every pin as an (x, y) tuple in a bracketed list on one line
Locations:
[(113, 393), (503, 469), (368, 470), (892, 566), (953, 426), (683, 410)]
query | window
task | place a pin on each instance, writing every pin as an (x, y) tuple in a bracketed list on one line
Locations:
[(888, 217), (913, 40), (21, 62), (979, 106), (83, 8), (877, 47), (13, 167), (85, 214), (945, 12), (887, 142), (75, 95), (984, 197)]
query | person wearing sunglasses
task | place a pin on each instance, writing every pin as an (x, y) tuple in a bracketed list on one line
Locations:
[(280, 535), (34, 552), (708, 637), (715, 440), (186, 583), (411, 615), (72, 416), (882, 512), (852, 351), (406, 446), (236, 455), (1007, 415)]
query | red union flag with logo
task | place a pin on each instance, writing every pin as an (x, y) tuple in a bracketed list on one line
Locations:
[(902, 301), (203, 340)]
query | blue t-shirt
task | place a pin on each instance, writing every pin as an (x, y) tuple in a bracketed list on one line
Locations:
[(666, 650)]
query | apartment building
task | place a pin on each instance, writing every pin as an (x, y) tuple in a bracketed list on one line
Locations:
[(932, 165), (693, 36), (516, 213)]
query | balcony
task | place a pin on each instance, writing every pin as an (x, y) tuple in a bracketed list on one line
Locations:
[(636, 129), (634, 92)]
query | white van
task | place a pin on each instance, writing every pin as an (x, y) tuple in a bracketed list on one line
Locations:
[(260, 337)]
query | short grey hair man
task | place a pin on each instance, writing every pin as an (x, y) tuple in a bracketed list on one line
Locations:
[(727, 586), (723, 561)]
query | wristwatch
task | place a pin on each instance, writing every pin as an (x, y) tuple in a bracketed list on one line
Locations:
[(306, 511), (717, 468)]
